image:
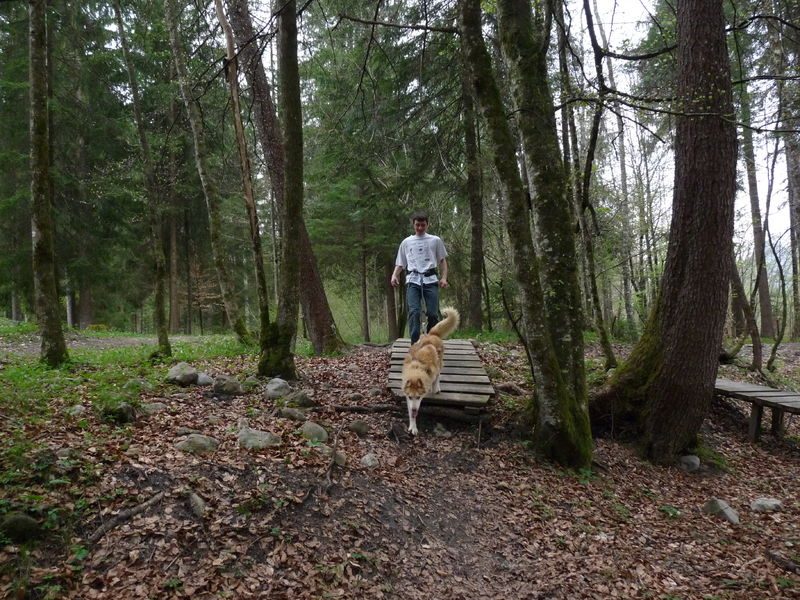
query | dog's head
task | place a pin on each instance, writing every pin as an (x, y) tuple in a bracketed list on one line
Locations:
[(414, 388)]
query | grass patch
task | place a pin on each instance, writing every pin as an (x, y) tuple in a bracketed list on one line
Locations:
[(709, 456)]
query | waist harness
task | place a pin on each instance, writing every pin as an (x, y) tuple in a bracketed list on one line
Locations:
[(427, 273)]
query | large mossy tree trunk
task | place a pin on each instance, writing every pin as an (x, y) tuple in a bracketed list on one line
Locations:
[(561, 429), (662, 394), (48, 313), (280, 358), (210, 191), (232, 75), (325, 337), (151, 189)]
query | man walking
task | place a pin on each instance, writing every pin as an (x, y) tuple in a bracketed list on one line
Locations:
[(424, 258)]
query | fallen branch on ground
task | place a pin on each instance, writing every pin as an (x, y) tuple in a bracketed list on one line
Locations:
[(124, 516)]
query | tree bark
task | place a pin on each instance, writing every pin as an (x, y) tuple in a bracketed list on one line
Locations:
[(210, 191), (562, 428), (319, 320), (232, 75), (748, 154), (792, 147), (153, 212), (53, 349), (662, 394), (280, 360), (474, 199)]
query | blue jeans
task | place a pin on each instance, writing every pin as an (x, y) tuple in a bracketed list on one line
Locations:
[(414, 296)]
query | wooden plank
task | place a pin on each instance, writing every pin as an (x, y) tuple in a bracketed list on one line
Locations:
[(449, 370), (452, 398), (460, 353), (447, 386), (777, 422), (754, 428), (448, 342), (445, 377)]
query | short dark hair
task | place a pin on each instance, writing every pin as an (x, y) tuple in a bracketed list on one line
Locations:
[(419, 215)]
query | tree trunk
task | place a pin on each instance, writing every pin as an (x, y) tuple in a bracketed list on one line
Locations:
[(663, 392), (562, 428), (174, 301), (750, 320), (153, 212), (793, 180), (362, 280), (53, 348), (474, 198), (764, 302), (280, 360), (210, 191), (232, 75), (322, 329), (391, 304)]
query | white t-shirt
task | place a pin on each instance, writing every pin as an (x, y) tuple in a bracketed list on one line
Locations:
[(420, 253)]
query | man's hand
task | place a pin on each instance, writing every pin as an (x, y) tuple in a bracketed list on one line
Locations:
[(395, 281), (443, 283)]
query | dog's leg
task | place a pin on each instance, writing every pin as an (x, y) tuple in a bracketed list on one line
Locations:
[(413, 409), (436, 387)]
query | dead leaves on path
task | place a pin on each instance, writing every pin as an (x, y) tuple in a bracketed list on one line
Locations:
[(438, 518)]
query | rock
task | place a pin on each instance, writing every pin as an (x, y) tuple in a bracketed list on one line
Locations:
[(354, 397), (251, 383), (151, 408), (76, 411), (225, 385), (242, 422), (339, 458), (510, 388), (65, 453), (253, 439), (20, 528), (186, 431), (441, 431), (295, 414), (370, 461), (299, 399), (689, 463), (314, 432), (182, 374), (720, 508), (134, 386), (120, 414), (198, 505), (360, 427), (766, 505), (203, 379), (277, 388), (197, 443), (375, 392), (214, 420)]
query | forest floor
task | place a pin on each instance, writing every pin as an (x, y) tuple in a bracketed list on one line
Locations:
[(461, 511)]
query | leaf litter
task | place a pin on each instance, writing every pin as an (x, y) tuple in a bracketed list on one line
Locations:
[(439, 517)]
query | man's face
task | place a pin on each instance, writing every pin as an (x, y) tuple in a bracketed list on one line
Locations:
[(420, 227)]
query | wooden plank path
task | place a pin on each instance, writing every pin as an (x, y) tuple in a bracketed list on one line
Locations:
[(463, 380), (760, 397)]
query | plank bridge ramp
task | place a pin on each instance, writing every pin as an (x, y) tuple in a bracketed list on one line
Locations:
[(463, 380), (760, 397)]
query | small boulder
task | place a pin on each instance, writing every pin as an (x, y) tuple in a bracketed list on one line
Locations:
[(314, 432), (120, 414), (354, 397), (135, 386), (198, 505), (375, 392), (294, 414), (360, 427), (225, 385), (204, 379), (370, 461), (339, 458), (197, 443), (254, 439), (186, 431), (441, 431), (766, 505), (299, 399), (76, 411), (720, 508), (182, 374), (277, 388), (151, 408), (689, 463), (251, 383), (20, 528)]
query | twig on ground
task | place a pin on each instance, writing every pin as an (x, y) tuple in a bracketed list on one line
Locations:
[(124, 516), (783, 562)]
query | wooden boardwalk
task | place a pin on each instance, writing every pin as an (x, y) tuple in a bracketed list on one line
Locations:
[(760, 397), (464, 381)]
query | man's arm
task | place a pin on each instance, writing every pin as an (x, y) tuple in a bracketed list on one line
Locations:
[(397, 270), (443, 270)]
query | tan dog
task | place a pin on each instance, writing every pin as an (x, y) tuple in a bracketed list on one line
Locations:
[(423, 363)]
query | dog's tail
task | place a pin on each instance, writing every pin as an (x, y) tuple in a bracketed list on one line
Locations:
[(447, 325)]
